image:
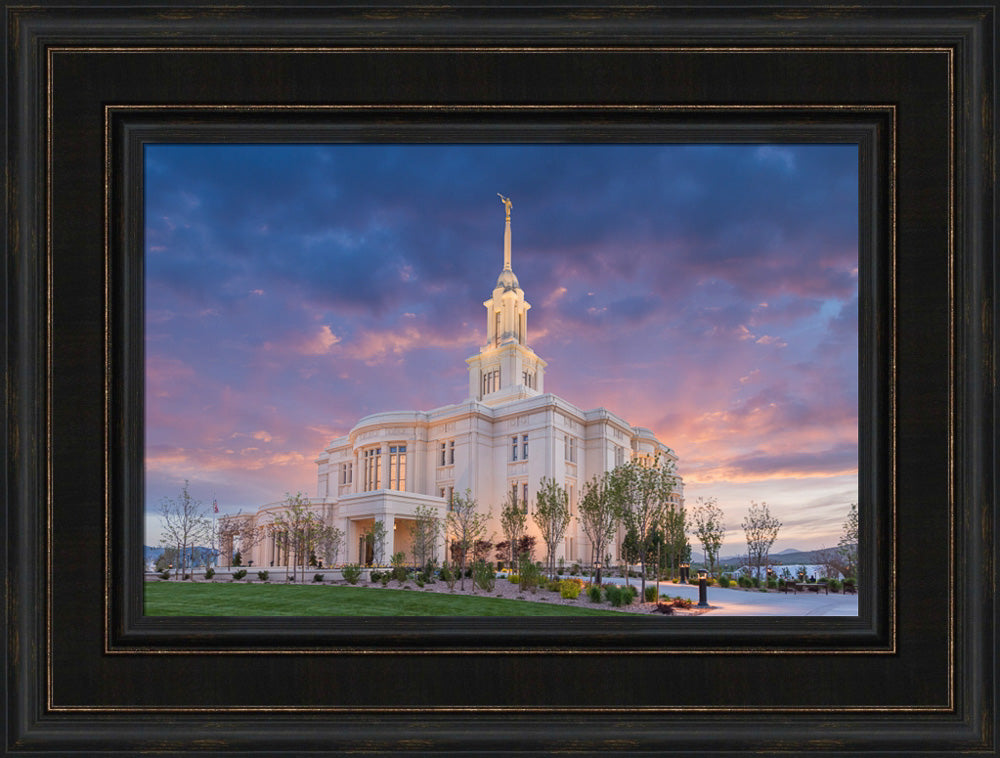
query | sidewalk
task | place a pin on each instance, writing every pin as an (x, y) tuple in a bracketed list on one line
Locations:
[(733, 602)]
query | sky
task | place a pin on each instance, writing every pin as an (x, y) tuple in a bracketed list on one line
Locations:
[(707, 292)]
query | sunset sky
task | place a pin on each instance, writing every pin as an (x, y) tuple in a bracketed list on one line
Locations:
[(709, 293)]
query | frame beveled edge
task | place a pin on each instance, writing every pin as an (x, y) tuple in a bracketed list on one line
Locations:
[(974, 331), (871, 127)]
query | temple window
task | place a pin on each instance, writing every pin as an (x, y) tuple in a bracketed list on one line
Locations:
[(397, 467), (372, 461)]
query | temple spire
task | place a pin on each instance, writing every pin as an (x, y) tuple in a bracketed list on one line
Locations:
[(507, 204)]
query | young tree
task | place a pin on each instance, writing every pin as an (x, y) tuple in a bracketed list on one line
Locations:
[(331, 540), (675, 541), (183, 523), (303, 529), (375, 536), (848, 544), (552, 516), (642, 491), (761, 530), (514, 523), (426, 533), (465, 525), (599, 516), (710, 529)]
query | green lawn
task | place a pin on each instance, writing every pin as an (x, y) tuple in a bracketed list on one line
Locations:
[(241, 599)]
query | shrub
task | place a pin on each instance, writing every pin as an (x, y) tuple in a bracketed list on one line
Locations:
[(680, 602), (744, 580), (238, 559), (290, 578), (614, 594), (262, 575), (399, 572), (651, 593), (164, 574), (209, 572), (317, 577), (594, 593), (419, 580), (374, 576), (531, 575), (632, 590), (834, 585), (237, 575), (513, 578), (575, 570), (552, 585), (484, 576), (187, 577), (447, 575), (351, 573), (772, 583), (385, 577), (724, 581), (570, 588), (755, 582)]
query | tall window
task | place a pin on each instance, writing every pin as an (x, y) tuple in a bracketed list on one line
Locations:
[(397, 467), (513, 449), (491, 381), (496, 329), (524, 497), (569, 448), (619, 455), (346, 473), (442, 454), (451, 451), (524, 446), (372, 459), (571, 493)]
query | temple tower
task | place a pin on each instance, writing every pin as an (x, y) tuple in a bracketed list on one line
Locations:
[(505, 367)]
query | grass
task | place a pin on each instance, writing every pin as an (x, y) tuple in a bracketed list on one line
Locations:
[(241, 599)]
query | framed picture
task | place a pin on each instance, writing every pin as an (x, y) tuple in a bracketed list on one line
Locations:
[(91, 92)]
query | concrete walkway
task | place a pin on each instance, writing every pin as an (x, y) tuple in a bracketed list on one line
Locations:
[(739, 602)]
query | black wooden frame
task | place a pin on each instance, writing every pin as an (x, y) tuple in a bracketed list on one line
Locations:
[(86, 674)]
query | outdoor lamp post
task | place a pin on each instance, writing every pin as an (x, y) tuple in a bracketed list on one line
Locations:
[(702, 588), (685, 576)]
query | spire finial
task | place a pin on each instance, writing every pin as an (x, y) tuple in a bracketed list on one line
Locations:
[(507, 204), (506, 232)]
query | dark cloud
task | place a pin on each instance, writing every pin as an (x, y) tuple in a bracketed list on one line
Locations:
[(296, 287)]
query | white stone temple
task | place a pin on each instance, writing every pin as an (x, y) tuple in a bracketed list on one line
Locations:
[(501, 440)]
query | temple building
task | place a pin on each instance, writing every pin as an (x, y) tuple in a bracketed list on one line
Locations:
[(500, 441)]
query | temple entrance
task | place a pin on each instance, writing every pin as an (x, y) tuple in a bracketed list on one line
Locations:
[(366, 551)]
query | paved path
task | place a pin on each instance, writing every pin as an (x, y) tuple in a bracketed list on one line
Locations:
[(738, 602)]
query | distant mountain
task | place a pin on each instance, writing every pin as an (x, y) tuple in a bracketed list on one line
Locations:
[(787, 557)]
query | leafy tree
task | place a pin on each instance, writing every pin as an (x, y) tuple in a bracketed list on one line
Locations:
[(375, 536), (526, 547), (552, 516), (426, 533), (183, 524), (675, 541), (514, 523), (465, 525), (303, 529), (642, 491), (761, 530), (710, 529), (331, 540), (848, 544), (599, 517)]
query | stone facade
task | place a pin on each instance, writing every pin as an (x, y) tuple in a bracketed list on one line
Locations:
[(503, 439)]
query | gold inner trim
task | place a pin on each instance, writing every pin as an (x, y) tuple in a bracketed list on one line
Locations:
[(389, 49)]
